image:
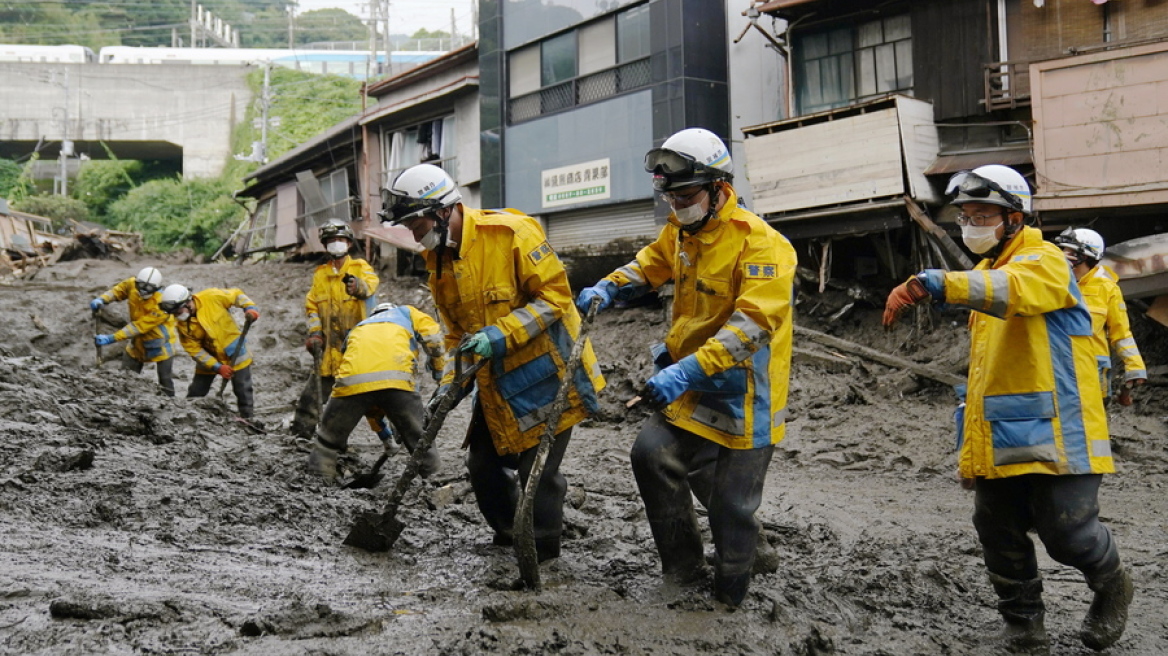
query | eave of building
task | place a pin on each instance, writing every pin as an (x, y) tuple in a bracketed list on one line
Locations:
[(467, 53), (462, 85), (338, 136)]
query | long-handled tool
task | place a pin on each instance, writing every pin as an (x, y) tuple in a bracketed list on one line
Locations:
[(378, 531), (523, 526), (235, 356), (316, 358), (96, 328), (371, 478)]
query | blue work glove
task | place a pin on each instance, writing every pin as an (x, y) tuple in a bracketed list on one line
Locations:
[(664, 387), (385, 434), (605, 290), (103, 340), (480, 344), (96, 304)]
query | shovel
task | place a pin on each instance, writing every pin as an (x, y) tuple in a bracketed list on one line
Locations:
[(235, 356), (377, 532), (96, 328), (371, 478), (524, 523)]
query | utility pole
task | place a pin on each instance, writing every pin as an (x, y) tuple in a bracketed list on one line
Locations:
[(194, 25), (66, 145), (453, 31), (291, 24), (259, 149)]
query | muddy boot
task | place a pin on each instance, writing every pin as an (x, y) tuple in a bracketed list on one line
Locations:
[(680, 546), (547, 548), (731, 589), (322, 461), (1020, 603), (1107, 617), (430, 464)]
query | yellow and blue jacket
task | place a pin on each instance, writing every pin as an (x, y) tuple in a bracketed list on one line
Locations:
[(151, 331), (382, 351), (210, 335), (1032, 400), (1110, 330), (508, 281), (732, 323), (332, 312)]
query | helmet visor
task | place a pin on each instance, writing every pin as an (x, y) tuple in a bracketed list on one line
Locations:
[(972, 185), (398, 207), (172, 307), (669, 162), (146, 289)]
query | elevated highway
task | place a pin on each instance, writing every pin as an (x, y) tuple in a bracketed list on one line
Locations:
[(172, 112)]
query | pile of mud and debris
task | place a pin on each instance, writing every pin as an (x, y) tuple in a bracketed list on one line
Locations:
[(135, 523)]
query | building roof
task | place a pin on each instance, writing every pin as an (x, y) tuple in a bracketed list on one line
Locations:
[(469, 52)]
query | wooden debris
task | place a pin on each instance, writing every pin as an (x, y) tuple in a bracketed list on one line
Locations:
[(844, 345)]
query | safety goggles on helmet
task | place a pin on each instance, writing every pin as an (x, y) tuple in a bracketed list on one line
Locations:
[(145, 288), (399, 208), (974, 186), (172, 307), (672, 170)]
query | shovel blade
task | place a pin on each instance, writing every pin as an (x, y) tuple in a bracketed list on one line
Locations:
[(364, 482), (374, 532)]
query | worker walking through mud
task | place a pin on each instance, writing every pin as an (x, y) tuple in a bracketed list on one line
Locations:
[(720, 391), (1110, 329), (151, 332), (375, 379), (495, 279), (209, 334), (1033, 431), (341, 296)]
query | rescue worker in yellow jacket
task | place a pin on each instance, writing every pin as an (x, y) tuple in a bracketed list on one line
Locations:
[(1033, 431), (720, 387), (375, 378), (497, 281), (1110, 330), (342, 294), (151, 331), (209, 334)]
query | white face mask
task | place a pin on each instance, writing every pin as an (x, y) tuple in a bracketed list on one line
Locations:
[(183, 316), (690, 215), (433, 239), (980, 239), (338, 248)]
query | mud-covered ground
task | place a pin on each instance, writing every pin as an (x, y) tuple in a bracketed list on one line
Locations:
[(134, 523)]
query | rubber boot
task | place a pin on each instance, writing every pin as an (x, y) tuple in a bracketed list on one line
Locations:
[(322, 461), (1020, 603), (1107, 617), (679, 543)]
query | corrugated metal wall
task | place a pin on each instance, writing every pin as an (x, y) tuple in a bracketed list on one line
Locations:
[(594, 229)]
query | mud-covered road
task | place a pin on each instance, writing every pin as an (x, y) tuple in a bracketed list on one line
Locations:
[(131, 523)]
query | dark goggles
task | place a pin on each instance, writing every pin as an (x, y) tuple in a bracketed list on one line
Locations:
[(397, 207), (146, 289), (171, 307), (972, 185), (670, 162)]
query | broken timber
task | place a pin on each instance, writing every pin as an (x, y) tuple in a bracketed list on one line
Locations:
[(879, 356), (937, 232)]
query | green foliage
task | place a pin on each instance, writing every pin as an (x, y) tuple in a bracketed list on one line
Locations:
[(100, 182), (58, 208), (324, 25), (10, 173), (171, 213)]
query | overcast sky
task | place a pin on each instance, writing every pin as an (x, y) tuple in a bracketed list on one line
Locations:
[(407, 16)]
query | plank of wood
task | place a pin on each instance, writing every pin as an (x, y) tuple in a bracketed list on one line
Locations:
[(844, 345)]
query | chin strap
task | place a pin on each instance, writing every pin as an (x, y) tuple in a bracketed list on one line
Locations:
[(443, 232)]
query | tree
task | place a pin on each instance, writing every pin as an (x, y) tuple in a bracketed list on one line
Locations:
[(175, 213), (326, 25), (101, 182), (58, 208)]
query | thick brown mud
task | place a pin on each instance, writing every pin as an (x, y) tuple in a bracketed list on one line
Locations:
[(131, 523)]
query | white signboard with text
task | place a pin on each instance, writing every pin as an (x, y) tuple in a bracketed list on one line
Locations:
[(578, 183)]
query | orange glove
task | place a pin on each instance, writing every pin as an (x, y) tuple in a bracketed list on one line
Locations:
[(252, 315), (902, 296), (225, 371), (1123, 396)]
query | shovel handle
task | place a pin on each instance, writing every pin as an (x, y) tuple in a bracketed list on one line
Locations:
[(523, 524), (235, 356)]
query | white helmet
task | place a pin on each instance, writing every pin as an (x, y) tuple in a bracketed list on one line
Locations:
[(417, 190), (1084, 241), (384, 307), (994, 184), (148, 281), (690, 157), (173, 298)]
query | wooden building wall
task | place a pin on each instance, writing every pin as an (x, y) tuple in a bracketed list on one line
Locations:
[(952, 41)]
